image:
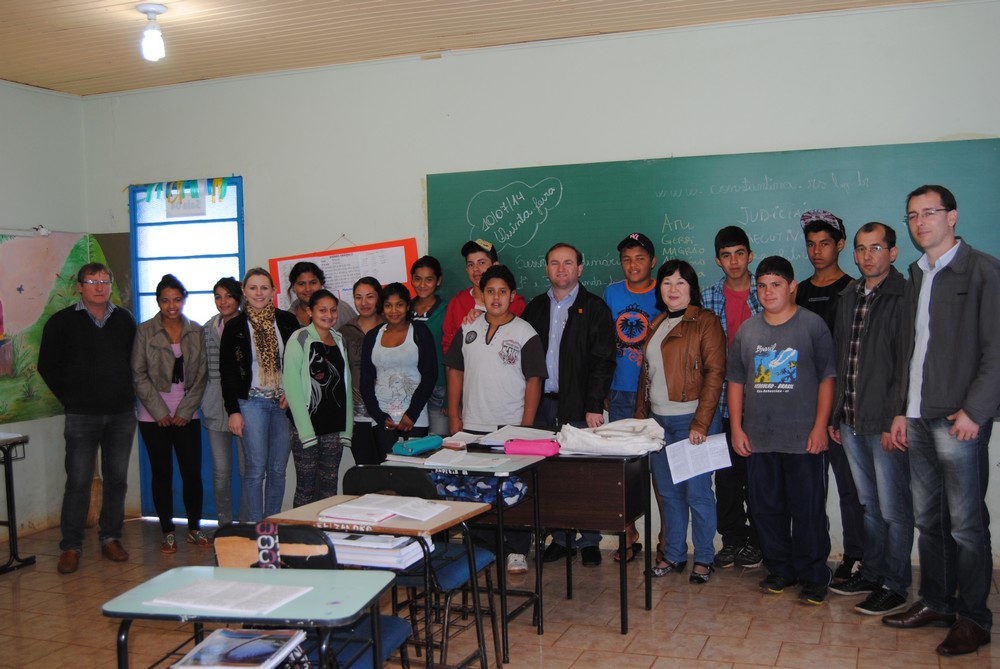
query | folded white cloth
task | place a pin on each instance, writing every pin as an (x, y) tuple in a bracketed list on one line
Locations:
[(631, 436)]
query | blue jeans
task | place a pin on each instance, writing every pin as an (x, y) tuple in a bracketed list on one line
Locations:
[(883, 482), (693, 497), (949, 480), (221, 444), (84, 434), (621, 405), (266, 451), (437, 402)]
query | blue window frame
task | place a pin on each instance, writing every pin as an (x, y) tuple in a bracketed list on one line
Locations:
[(191, 229)]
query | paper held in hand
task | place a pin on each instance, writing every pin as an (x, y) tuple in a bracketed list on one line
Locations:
[(687, 460), (373, 508)]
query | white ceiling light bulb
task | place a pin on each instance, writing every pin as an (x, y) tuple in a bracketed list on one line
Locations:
[(152, 38)]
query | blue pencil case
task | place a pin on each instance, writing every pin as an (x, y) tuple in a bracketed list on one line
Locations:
[(417, 446)]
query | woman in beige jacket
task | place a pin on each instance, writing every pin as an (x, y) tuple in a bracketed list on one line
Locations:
[(170, 371)]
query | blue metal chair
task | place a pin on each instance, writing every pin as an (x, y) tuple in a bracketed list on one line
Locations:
[(449, 561)]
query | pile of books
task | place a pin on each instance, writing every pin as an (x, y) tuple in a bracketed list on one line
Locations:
[(377, 550)]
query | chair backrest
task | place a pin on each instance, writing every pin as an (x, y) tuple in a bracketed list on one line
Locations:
[(297, 546), (406, 481)]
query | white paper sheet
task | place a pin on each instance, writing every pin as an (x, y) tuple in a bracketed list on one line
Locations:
[(687, 460)]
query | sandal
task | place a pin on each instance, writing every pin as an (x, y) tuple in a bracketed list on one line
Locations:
[(698, 577), (199, 538), (670, 568), (630, 552), (169, 544)]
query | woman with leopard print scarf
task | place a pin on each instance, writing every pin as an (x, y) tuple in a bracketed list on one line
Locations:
[(250, 366)]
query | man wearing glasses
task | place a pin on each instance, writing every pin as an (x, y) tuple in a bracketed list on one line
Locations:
[(865, 330), (85, 360), (947, 395)]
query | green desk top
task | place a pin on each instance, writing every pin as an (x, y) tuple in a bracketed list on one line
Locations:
[(337, 598)]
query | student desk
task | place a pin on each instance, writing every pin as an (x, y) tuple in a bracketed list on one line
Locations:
[(337, 599), (596, 492), (456, 514), (14, 561), (511, 466)]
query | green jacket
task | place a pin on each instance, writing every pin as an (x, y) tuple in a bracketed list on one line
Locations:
[(297, 382)]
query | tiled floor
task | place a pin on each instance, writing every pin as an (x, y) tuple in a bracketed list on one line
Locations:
[(49, 620)]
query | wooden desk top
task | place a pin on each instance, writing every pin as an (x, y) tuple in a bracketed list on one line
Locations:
[(453, 515)]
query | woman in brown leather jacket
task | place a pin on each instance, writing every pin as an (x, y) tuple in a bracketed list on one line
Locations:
[(679, 386)]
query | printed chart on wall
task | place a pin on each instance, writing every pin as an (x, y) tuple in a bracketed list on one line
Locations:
[(680, 203), (386, 261)]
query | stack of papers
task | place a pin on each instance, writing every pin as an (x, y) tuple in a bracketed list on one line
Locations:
[(373, 508), (377, 550), (445, 459), (228, 647), (230, 596)]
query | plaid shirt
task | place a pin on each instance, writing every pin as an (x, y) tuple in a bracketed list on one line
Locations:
[(863, 306), (714, 298)]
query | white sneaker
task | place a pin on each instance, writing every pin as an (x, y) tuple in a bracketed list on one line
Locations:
[(517, 563)]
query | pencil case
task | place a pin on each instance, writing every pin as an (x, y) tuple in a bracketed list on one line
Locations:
[(544, 447), (418, 445)]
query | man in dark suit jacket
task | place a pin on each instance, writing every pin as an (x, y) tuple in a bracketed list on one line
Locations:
[(578, 333)]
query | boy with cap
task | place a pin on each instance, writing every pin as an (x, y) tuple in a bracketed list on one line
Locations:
[(468, 304), (633, 307), (781, 377), (825, 238)]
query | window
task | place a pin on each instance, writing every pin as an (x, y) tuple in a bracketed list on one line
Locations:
[(191, 229)]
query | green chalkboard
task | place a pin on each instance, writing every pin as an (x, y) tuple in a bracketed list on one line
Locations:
[(680, 203)]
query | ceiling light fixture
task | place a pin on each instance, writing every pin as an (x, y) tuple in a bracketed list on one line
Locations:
[(152, 38)]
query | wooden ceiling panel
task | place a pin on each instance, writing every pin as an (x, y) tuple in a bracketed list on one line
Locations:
[(88, 47)]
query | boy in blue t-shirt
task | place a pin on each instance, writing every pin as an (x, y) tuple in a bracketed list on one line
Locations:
[(781, 377), (633, 307)]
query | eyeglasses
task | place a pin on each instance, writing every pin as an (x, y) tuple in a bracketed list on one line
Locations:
[(875, 249), (923, 214), (96, 282)]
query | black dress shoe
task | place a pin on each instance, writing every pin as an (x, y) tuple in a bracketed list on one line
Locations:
[(590, 556), (918, 615), (965, 637), (556, 552)]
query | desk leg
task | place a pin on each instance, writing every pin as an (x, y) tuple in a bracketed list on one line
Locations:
[(502, 572), (648, 573), (15, 561), (123, 643), (477, 609), (570, 537), (376, 624), (428, 631), (539, 550), (623, 581)]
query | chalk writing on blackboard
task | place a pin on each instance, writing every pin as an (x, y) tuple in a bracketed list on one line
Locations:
[(510, 216)]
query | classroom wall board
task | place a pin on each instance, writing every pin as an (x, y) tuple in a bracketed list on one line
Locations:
[(386, 261), (680, 203)]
